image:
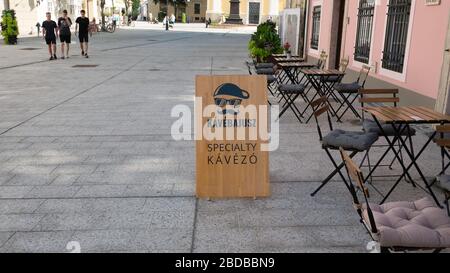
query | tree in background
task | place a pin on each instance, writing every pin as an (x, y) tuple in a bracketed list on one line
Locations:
[(135, 6), (102, 10)]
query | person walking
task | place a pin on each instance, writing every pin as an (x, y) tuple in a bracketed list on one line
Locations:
[(82, 27), (50, 32), (64, 24), (166, 22)]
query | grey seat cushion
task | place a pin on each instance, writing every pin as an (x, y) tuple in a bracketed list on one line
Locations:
[(291, 88), (444, 182), (354, 141), (348, 87), (271, 78), (264, 65), (438, 135), (332, 79), (411, 224), (265, 71), (372, 127)]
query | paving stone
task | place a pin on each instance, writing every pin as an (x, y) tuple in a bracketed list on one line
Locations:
[(38, 242), (167, 239), (30, 180), (4, 236), (93, 205), (14, 191), (17, 206), (108, 240), (71, 221), (19, 222), (229, 240), (75, 169), (101, 191), (65, 180), (52, 192)]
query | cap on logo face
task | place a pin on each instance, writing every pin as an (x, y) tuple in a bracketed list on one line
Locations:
[(229, 89)]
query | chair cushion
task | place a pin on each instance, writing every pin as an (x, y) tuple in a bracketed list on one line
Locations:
[(444, 182), (348, 87), (265, 71), (411, 224), (264, 65), (291, 88), (438, 135), (271, 78), (372, 127), (332, 79), (358, 141)]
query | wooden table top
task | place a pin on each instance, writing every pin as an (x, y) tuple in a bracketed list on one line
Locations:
[(282, 55), (407, 114), (295, 65), (293, 59), (322, 72)]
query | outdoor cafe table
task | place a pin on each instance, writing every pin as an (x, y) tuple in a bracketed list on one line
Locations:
[(292, 71), (282, 55), (291, 74), (288, 60), (316, 77), (400, 118)]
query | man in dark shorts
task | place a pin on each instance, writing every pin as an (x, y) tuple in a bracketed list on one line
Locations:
[(64, 24), (83, 33), (49, 32)]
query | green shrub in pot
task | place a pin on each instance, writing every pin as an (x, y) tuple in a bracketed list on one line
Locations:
[(9, 27), (265, 42)]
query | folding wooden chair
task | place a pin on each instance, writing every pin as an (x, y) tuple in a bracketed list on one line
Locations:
[(443, 141), (399, 226), (330, 82), (321, 63), (349, 91), (386, 97), (322, 60), (354, 142)]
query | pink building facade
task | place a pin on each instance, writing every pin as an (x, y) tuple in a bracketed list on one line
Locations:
[(405, 42)]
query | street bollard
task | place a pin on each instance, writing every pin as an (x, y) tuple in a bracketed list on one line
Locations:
[(38, 26)]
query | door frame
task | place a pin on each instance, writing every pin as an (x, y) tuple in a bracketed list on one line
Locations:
[(340, 33), (443, 98), (248, 14)]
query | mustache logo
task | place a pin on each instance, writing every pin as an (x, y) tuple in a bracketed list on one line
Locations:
[(228, 106)]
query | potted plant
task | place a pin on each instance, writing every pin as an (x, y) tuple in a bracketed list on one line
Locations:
[(265, 42), (9, 27), (287, 50)]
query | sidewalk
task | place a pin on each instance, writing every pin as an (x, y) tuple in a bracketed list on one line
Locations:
[(86, 155)]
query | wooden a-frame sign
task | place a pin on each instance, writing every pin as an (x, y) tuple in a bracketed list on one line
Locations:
[(231, 168)]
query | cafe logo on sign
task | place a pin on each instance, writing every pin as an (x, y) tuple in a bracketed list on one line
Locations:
[(228, 98)]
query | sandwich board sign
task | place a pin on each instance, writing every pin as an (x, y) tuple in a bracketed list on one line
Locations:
[(231, 161)]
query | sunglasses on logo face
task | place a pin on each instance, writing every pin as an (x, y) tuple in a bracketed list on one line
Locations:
[(222, 102)]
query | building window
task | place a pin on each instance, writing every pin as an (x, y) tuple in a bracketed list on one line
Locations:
[(364, 31), (50, 6), (396, 35), (197, 8), (316, 27)]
